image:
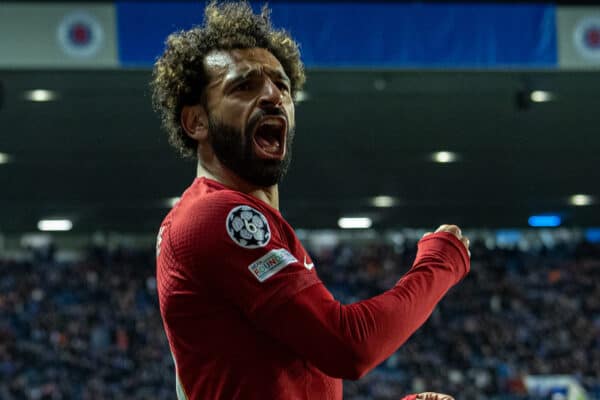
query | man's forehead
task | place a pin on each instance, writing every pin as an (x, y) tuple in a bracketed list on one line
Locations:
[(226, 62)]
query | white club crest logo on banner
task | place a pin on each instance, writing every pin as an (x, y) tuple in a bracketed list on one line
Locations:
[(586, 37), (80, 35)]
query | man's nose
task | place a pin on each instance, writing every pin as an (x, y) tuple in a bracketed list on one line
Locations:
[(270, 95)]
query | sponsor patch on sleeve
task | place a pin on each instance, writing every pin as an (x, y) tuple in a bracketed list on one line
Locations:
[(271, 263)]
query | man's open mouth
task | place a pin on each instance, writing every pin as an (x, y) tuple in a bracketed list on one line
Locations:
[(269, 137)]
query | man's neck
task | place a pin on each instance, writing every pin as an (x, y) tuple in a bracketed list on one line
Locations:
[(269, 195)]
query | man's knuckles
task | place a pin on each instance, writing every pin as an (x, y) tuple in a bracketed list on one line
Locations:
[(434, 396), (450, 229), (455, 230)]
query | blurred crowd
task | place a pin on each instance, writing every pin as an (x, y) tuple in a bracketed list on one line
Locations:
[(92, 330), (517, 313), (86, 330)]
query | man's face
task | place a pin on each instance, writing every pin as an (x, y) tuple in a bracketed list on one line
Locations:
[(250, 114)]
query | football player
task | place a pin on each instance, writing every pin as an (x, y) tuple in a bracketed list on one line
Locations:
[(244, 310)]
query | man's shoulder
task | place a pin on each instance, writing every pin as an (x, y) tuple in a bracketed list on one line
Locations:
[(220, 220), (218, 202), (210, 210)]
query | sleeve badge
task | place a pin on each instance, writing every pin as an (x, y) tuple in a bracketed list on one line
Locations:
[(247, 227)]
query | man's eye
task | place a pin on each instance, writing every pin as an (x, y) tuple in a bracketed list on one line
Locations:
[(283, 86), (242, 86)]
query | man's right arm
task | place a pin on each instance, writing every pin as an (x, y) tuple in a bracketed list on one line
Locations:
[(276, 293), (347, 341)]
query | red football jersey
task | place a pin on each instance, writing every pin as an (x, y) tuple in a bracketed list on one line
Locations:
[(247, 317)]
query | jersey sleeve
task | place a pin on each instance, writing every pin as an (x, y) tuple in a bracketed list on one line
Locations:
[(235, 247), (347, 341)]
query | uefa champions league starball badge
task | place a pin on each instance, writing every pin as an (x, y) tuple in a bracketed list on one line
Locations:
[(247, 227)]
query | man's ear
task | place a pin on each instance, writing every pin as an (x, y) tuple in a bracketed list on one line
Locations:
[(194, 121)]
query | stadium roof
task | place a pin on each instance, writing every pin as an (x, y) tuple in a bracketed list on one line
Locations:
[(96, 153)]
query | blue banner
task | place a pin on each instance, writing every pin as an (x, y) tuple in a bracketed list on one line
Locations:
[(371, 34)]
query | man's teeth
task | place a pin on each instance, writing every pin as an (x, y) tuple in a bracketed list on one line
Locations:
[(274, 147), (273, 122)]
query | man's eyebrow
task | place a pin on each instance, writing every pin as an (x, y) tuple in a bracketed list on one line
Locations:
[(241, 76), (254, 72), (278, 74)]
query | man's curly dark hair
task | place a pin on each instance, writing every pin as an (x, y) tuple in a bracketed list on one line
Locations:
[(179, 79)]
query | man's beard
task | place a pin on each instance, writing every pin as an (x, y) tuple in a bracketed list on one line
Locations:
[(235, 150)]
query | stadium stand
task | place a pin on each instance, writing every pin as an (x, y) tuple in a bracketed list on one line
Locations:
[(91, 329)]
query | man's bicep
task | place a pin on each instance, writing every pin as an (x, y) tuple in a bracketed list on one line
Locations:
[(243, 256), (311, 324), (259, 281)]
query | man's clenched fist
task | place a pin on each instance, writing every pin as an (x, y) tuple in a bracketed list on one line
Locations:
[(455, 230)]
